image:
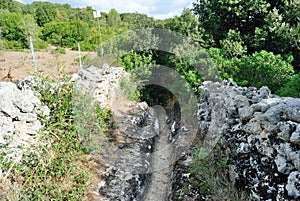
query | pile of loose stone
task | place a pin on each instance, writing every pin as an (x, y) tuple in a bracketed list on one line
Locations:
[(261, 132), (19, 124)]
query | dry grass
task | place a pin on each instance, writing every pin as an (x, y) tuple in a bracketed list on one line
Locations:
[(21, 63), (9, 191)]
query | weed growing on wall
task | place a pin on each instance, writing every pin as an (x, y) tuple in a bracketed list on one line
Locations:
[(210, 173), (58, 169)]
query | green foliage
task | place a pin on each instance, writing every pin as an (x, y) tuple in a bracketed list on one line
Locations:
[(16, 29), (263, 69), (259, 69), (12, 30), (218, 17), (113, 19), (133, 60), (140, 66), (291, 88), (187, 24), (58, 50), (10, 5), (263, 25), (137, 21), (86, 45), (93, 124), (188, 72), (66, 33), (193, 63), (233, 44), (221, 60), (55, 171), (130, 89), (44, 12), (105, 121), (210, 172)]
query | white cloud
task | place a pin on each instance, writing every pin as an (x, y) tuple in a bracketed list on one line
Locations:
[(155, 8), (164, 16), (141, 6)]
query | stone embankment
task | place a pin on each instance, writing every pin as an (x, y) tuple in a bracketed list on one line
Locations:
[(261, 133), (100, 83), (19, 124)]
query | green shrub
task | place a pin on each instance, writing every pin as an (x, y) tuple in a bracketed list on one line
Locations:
[(259, 69), (57, 170), (224, 65), (85, 45), (93, 124), (133, 60), (58, 50), (263, 69), (291, 88), (209, 171)]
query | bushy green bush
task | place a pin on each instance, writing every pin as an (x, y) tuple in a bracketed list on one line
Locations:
[(291, 88), (56, 173), (210, 172), (133, 60), (86, 45), (259, 69), (65, 33), (58, 169), (58, 50), (220, 59), (263, 69)]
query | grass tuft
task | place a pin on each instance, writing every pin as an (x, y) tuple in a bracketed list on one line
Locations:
[(60, 166)]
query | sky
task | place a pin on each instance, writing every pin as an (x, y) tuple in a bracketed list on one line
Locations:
[(159, 9)]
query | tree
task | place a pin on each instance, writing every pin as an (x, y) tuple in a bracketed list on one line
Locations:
[(86, 15), (12, 30), (11, 6), (233, 44), (218, 17), (282, 25), (66, 33), (137, 21), (44, 12), (113, 19), (186, 24), (291, 88), (263, 25)]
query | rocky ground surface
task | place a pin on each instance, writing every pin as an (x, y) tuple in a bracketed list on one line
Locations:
[(260, 131), (261, 134)]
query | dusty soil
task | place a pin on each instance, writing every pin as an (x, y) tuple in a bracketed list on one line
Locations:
[(20, 64)]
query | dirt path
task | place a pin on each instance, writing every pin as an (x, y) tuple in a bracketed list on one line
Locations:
[(161, 161)]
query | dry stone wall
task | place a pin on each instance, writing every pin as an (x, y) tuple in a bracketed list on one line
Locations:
[(262, 134), (100, 82), (19, 124), (127, 163)]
